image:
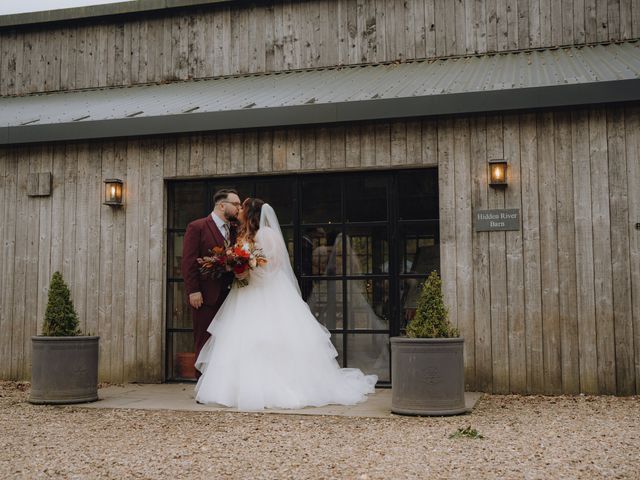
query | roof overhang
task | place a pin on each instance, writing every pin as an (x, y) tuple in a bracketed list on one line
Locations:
[(603, 92), (541, 79)]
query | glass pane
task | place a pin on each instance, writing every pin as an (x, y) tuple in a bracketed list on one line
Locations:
[(367, 250), (287, 233), (418, 195), (366, 198), (370, 353), (321, 200), (325, 302), (189, 202), (181, 356), (409, 293), (243, 187), (175, 254), (321, 251), (368, 304), (179, 313), (279, 194), (420, 248), (336, 339)]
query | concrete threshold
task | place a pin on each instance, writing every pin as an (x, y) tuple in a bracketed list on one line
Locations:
[(180, 396)]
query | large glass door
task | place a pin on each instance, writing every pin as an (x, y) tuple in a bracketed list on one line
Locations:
[(360, 243), (344, 266)]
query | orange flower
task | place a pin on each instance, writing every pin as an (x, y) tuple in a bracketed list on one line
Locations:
[(241, 252)]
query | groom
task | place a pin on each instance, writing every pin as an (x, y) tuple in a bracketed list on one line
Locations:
[(206, 295)]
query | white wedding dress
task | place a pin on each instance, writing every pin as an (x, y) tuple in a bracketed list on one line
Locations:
[(266, 349)]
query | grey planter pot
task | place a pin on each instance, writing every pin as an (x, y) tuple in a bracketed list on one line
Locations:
[(428, 376), (64, 370)]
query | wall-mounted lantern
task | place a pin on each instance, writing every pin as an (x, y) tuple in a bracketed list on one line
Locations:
[(113, 192), (498, 173)]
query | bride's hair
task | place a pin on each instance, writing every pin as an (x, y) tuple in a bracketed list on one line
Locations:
[(251, 208)]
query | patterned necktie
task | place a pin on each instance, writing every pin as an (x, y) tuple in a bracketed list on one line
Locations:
[(227, 232)]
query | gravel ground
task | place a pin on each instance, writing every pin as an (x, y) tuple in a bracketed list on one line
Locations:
[(524, 437)]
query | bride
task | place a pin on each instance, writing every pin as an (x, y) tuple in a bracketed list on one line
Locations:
[(266, 349)]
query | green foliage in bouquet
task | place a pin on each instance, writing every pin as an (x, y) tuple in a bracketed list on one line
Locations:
[(60, 318), (431, 318)]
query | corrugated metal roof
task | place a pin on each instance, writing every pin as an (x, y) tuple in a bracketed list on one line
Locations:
[(540, 78)]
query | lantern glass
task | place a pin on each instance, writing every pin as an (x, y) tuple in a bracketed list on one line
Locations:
[(113, 192), (497, 173)]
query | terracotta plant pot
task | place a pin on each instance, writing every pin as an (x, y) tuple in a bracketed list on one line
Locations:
[(185, 365)]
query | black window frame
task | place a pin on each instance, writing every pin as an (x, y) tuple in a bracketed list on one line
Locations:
[(393, 223)]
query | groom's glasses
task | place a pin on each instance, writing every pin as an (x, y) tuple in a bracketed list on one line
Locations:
[(235, 204)]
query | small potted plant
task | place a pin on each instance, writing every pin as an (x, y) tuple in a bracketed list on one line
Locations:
[(64, 365), (427, 365)]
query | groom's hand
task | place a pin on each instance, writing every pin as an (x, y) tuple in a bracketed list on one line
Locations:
[(195, 299), (243, 275)]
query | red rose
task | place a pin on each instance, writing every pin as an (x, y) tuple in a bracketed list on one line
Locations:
[(240, 269)]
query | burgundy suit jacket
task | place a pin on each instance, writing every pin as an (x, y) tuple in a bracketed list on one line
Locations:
[(202, 235)]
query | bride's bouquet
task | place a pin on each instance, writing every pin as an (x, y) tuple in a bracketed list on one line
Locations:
[(235, 259)]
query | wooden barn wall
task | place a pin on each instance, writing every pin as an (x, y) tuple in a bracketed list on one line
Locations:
[(283, 35), (554, 307)]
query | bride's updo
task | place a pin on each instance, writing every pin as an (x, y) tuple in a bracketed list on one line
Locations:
[(251, 210)]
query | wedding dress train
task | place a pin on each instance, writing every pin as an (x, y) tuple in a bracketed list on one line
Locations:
[(267, 350)]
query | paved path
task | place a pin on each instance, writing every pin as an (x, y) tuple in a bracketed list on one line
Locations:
[(179, 396)]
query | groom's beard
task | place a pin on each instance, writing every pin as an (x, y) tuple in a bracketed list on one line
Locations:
[(231, 218)]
